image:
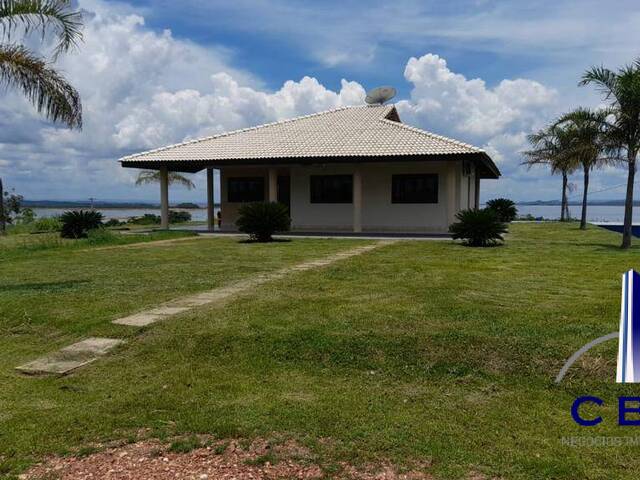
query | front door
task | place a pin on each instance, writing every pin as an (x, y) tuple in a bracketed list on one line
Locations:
[(284, 190)]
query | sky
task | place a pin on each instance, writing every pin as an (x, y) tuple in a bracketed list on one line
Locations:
[(158, 72)]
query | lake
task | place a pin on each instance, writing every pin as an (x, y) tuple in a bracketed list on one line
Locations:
[(612, 214)]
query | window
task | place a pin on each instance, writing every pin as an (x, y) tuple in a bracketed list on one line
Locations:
[(245, 189), (331, 189), (421, 188)]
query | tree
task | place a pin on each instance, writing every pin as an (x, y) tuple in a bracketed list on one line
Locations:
[(549, 148), (586, 144), (621, 89), (153, 176), (30, 73)]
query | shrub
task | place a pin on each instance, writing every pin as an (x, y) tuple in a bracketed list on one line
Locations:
[(78, 224), (262, 220), (179, 217), (113, 222), (478, 228), (48, 224), (146, 219), (505, 208)]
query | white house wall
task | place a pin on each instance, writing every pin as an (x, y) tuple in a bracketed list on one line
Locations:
[(378, 213)]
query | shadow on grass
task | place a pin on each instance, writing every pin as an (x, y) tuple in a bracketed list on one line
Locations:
[(35, 287), (274, 240)]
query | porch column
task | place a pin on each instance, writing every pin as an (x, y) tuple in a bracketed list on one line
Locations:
[(273, 185), (452, 192), (164, 198), (477, 190), (357, 200), (210, 200)]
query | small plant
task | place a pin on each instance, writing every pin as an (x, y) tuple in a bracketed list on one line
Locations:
[(478, 228), (78, 224), (505, 208), (262, 220), (185, 445), (47, 224)]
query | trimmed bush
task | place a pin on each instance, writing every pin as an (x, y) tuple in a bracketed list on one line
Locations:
[(505, 208), (78, 223), (262, 220), (478, 228)]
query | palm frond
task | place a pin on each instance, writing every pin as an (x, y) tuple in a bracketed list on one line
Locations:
[(50, 93), (604, 79), (153, 176), (43, 15)]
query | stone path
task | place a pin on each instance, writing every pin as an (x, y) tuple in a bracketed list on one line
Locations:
[(89, 350), (222, 294), (153, 243), (69, 358)]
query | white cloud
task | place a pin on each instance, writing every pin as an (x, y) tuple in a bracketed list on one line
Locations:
[(143, 89), (451, 101)]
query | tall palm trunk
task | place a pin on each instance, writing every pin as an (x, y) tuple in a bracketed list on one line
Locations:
[(3, 221), (583, 218), (564, 207), (628, 203)]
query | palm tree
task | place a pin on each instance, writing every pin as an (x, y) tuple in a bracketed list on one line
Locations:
[(549, 148), (153, 176), (586, 143), (622, 89), (30, 73)]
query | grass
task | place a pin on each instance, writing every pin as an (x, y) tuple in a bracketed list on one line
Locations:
[(418, 351)]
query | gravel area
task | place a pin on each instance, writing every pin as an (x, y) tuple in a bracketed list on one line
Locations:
[(222, 460)]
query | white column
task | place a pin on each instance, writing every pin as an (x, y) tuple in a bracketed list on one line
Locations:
[(452, 192), (273, 185), (477, 190), (164, 198), (210, 200), (357, 200)]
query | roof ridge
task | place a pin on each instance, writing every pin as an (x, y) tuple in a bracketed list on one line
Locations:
[(241, 130), (431, 134)]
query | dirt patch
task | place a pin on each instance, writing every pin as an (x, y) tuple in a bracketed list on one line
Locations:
[(231, 459)]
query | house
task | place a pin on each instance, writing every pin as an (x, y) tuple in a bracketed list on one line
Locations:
[(357, 169)]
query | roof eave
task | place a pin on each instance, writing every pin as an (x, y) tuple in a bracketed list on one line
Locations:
[(191, 166)]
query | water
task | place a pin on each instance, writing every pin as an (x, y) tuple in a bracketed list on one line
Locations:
[(595, 213), (610, 214), (199, 214)]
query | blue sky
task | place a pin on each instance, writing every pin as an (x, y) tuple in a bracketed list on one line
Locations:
[(158, 72)]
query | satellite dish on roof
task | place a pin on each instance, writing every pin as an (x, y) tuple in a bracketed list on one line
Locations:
[(379, 95)]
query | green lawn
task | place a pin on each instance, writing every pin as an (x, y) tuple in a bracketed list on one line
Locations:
[(415, 351)]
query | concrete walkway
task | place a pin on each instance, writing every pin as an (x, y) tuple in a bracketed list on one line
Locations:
[(221, 294), (87, 351)]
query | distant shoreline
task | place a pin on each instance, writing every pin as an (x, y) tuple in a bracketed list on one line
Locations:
[(105, 205)]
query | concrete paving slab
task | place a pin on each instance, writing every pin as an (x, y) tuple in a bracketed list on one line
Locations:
[(93, 345), (70, 358), (139, 319), (168, 310)]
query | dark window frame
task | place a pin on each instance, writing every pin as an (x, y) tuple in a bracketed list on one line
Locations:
[(249, 196), (401, 191), (321, 190)]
